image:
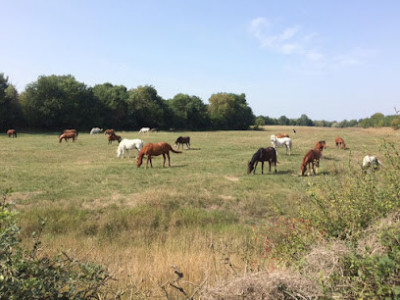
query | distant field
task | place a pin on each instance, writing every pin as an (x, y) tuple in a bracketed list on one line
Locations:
[(197, 214)]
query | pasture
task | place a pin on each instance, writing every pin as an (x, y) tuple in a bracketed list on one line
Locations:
[(199, 214)]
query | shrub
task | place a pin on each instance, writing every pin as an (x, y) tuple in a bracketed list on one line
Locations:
[(30, 275)]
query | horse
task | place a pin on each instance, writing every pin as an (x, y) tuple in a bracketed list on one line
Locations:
[(155, 149), (114, 137), (280, 142), (263, 154), (67, 135), (109, 131), (340, 143), (126, 145), (12, 132), (144, 130), (321, 145), (282, 135), (183, 140), (370, 161), (312, 157), (96, 130)]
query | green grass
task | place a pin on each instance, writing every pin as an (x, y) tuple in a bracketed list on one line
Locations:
[(94, 200)]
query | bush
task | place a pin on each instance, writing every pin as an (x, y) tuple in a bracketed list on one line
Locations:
[(29, 275)]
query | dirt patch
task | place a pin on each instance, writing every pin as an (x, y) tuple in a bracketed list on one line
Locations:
[(232, 178), (20, 197)]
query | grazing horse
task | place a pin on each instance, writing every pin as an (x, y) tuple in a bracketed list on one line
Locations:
[(155, 149), (96, 130), (340, 143), (321, 145), (263, 154), (67, 135), (282, 135), (311, 158), (12, 132), (126, 145), (144, 130), (280, 142), (114, 137), (109, 131), (370, 161), (183, 140)]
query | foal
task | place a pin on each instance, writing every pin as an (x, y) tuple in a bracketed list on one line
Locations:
[(340, 143), (263, 154)]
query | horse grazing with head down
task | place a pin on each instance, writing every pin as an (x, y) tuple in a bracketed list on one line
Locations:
[(67, 134), (114, 137), (126, 145), (280, 142), (183, 140), (311, 159), (155, 149), (370, 162), (12, 133), (263, 154), (340, 143)]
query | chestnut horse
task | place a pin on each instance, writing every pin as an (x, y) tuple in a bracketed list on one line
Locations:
[(263, 154), (282, 135), (311, 159), (109, 131), (340, 143), (12, 132), (155, 149), (321, 145), (67, 135), (114, 137)]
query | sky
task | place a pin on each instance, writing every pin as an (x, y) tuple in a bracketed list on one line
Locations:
[(331, 60)]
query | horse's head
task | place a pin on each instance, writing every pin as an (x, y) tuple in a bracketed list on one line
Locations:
[(250, 167), (273, 137), (303, 169)]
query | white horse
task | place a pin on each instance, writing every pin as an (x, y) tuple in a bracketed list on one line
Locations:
[(144, 130), (126, 145), (96, 130), (370, 161), (280, 142)]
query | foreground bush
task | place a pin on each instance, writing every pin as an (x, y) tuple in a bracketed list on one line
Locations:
[(30, 275)]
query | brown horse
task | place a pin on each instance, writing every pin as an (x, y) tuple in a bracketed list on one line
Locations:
[(155, 149), (340, 143), (321, 145), (67, 135), (281, 135), (12, 132), (114, 137), (263, 154), (109, 131), (311, 159), (183, 140)]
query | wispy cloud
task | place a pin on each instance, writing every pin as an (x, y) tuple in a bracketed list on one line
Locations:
[(294, 40)]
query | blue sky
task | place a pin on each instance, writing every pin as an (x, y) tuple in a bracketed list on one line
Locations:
[(330, 60)]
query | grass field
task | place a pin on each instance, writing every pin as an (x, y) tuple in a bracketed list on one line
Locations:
[(200, 214)]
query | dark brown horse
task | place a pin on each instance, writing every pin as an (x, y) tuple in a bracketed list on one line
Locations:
[(340, 143), (311, 159), (114, 137), (263, 154), (183, 140), (155, 149), (12, 133)]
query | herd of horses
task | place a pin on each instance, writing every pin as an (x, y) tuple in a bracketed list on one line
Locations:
[(310, 161)]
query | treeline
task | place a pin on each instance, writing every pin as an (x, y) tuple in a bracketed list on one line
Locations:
[(376, 120), (58, 102)]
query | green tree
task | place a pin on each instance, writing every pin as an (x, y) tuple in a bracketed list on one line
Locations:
[(56, 102), (189, 112), (146, 107), (230, 111), (304, 121), (395, 124), (283, 120), (113, 100), (10, 111)]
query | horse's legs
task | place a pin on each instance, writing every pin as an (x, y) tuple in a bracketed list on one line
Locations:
[(164, 160), (151, 162), (255, 166), (262, 167), (269, 166), (169, 159)]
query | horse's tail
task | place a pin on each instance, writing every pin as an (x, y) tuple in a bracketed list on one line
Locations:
[(175, 151)]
